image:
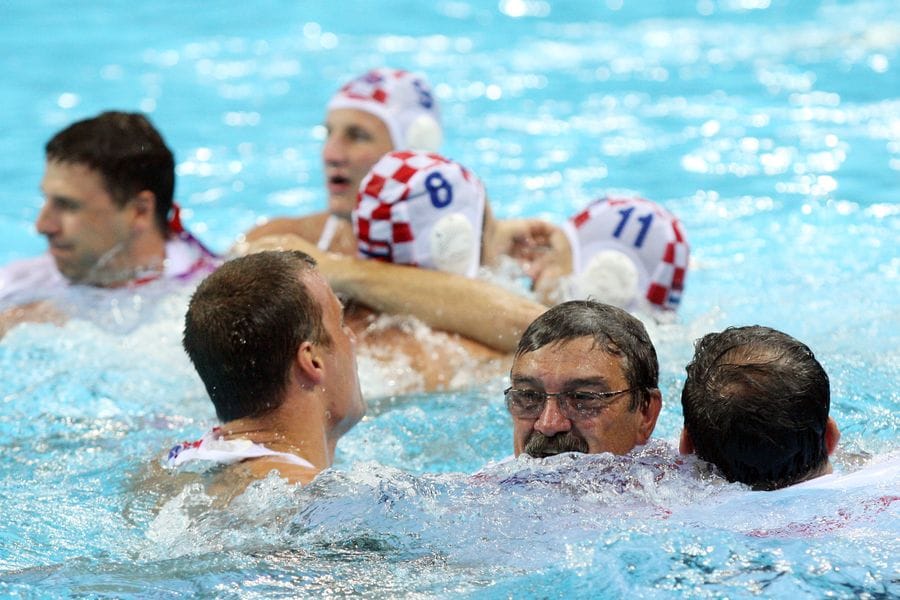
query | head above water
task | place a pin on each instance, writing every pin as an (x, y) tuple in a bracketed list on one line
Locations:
[(585, 346), (244, 325), (379, 111), (128, 153), (756, 405), (108, 187), (421, 209)]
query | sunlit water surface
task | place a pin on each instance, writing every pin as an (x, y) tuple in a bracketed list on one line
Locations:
[(771, 128)]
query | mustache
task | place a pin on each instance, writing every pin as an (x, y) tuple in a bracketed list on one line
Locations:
[(541, 446)]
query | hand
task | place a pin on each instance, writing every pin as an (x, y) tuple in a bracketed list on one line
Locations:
[(540, 248)]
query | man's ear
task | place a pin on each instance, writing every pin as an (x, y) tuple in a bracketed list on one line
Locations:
[(143, 210), (649, 414), (832, 435), (685, 443), (309, 363)]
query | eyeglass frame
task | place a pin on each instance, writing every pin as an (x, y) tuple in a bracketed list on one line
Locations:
[(565, 404)]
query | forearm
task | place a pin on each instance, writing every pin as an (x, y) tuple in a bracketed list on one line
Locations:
[(472, 308), (475, 309)]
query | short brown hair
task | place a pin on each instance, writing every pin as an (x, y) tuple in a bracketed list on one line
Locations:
[(756, 404), (128, 152), (244, 325)]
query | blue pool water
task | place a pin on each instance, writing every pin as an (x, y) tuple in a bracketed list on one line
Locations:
[(771, 128)]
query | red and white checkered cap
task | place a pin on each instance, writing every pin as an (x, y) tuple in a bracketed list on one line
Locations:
[(650, 236), (402, 100), (419, 208)]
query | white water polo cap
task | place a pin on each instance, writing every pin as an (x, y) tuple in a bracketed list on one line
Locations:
[(402, 100), (421, 209), (628, 252)]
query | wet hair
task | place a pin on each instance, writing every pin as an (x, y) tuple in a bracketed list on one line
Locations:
[(244, 325), (614, 331), (756, 405), (128, 153)]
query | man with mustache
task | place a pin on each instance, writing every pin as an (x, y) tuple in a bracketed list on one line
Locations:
[(584, 379)]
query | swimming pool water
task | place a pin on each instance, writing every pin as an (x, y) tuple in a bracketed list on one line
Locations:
[(771, 128)]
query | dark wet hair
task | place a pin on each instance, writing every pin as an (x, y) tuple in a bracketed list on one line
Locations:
[(128, 152), (613, 330), (756, 405), (244, 325)]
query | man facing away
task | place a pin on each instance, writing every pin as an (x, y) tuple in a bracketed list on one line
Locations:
[(267, 337), (108, 216), (756, 405), (584, 379)]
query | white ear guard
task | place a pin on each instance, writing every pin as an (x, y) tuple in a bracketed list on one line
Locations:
[(453, 244), (609, 277)]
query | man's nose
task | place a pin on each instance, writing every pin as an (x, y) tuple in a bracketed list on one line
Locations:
[(334, 152), (552, 420), (46, 222)]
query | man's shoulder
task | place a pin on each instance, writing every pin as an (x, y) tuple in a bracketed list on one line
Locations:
[(187, 258), (309, 227), (29, 278)]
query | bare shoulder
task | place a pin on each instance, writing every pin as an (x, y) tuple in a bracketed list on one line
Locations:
[(35, 312), (308, 227), (259, 468)]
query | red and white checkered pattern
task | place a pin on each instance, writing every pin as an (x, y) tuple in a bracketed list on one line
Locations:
[(648, 234), (404, 197), (402, 100)]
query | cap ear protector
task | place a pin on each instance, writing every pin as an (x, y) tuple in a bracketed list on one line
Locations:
[(453, 245), (610, 277), (424, 133)]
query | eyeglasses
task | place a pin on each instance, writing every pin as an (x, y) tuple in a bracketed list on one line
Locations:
[(529, 404)]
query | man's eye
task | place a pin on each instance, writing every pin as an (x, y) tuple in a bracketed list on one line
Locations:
[(529, 398), (64, 204), (359, 135), (583, 400)]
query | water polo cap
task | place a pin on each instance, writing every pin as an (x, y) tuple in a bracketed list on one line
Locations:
[(402, 100), (418, 208), (628, 251)]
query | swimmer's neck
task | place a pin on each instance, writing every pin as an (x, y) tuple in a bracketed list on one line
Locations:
[(304, 435), (127, 264)]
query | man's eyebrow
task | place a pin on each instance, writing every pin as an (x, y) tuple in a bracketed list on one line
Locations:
[(61, 198), (587, 382), (520, 379), (569, 384)]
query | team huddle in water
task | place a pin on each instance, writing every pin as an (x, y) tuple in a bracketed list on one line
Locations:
[(407, 232)]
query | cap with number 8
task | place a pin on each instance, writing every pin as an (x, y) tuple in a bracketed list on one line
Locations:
[(421, 209)]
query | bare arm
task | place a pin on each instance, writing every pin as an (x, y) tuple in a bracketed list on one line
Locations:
[(472, 308)]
